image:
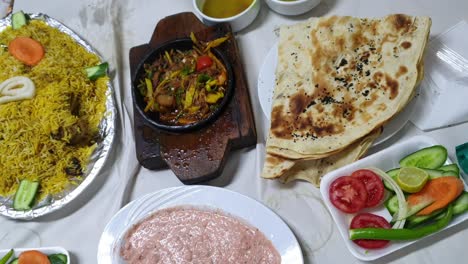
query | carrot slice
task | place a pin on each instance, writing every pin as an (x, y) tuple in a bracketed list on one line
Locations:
[(26, 50), (443, 190), (33, 257)]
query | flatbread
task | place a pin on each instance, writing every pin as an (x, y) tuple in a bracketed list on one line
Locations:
[(313, 170), (339, 78), (275, 167)]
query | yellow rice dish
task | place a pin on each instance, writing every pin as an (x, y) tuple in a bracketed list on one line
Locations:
[(49, 138)]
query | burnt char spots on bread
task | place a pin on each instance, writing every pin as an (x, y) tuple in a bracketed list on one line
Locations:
[(338, 81), (339, 78)]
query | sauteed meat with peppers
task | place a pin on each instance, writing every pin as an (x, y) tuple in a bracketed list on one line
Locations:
[(185, 86)]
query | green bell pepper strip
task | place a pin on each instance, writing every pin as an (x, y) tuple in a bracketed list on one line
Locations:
[(5, 258), (404, 233)]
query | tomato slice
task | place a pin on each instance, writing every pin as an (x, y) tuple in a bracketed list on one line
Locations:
[(204, 62), (374, 186), (348, 194), (364, 220)]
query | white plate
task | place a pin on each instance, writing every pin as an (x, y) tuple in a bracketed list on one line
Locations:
[(45, 250), (230, 202), (386, 159), (266, 86)]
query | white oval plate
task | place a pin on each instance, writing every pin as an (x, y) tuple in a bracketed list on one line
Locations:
[(230, 202), (386, 159), (266, 86), (45, 250)]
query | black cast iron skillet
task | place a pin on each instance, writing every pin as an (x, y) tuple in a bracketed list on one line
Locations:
[(153, 117)]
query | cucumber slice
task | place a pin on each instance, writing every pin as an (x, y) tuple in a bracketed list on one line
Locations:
[(392, 204), (15, 261), (451, 167), (451, 173), (416, 220), (97, 71), (461, 204), (428, 158), (393, 173), (439, 173), (58, 259), (434, 173), (18, 20), (25, 195), (413, 209)]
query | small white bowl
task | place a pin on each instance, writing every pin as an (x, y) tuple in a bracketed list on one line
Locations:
[(238, 22), (292, 8)]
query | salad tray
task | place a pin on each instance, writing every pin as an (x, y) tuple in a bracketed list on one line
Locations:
[(199, 155), (385, 160)]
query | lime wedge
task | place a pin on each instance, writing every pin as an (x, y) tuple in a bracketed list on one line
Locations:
[(412, 180)]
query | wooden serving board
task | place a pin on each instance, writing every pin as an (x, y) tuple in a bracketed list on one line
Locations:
[(200, 155)]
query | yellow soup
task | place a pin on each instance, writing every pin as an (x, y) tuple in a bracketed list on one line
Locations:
[(225, 8)]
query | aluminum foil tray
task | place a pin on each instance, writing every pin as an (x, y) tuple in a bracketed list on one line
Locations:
[(97, 159)]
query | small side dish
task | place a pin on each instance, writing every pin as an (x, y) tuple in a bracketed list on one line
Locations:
[(35, 256), (238, 13), (184, 234), (225, 9), (292, 7)]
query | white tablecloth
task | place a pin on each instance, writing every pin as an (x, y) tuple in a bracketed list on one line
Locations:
[(113, 27)]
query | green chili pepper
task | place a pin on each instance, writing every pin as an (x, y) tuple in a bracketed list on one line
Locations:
[(186, 71), (149, 87), (404, 233), (149, 73), (6, 257), (142, 88), (168, 57), (189, 96), (203, 78)]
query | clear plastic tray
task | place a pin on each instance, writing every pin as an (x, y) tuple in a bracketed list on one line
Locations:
[(445, 80)]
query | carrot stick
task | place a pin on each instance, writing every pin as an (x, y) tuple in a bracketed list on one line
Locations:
[(26, 50), (443, 190), (33, 257)]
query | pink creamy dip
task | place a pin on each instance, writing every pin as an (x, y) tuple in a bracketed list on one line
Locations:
[(190, 235)]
